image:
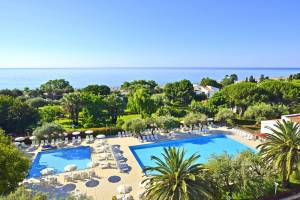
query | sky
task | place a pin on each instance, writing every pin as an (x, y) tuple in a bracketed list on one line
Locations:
[(149, 33)]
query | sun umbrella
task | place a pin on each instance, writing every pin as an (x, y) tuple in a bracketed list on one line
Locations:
[(70, 168), (101, 136), (92, 164), (19, 139), (66, 134), (47, 171), (33, 137), (124, 189), (33, 181), (76, 133), (89, 132)]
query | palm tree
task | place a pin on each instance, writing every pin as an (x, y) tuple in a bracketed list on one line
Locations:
[(72, 104), (282, 148), (176, 178)]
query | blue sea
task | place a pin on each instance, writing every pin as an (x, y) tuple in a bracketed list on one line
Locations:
[(114, 77)]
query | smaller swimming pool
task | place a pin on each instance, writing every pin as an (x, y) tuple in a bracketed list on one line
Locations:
[(205, 146), (59, 158)]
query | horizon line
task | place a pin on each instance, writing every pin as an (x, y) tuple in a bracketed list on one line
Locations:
[(154, 67)]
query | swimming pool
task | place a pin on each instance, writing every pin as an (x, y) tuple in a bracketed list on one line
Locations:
[(205, 146), (59, 158)]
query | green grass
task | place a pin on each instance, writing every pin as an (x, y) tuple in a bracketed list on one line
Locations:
[(131, 116)]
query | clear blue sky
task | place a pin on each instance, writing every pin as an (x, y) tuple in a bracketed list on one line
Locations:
[(98, 33)]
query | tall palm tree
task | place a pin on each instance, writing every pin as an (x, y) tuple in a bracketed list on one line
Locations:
[(176, 178), (282, 148)]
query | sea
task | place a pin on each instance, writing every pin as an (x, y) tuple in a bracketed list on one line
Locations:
[(80, 77)]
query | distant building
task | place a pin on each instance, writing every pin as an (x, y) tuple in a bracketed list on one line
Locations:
[(270, 123), (208, 90)]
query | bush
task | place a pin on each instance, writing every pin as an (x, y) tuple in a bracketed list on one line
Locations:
[(37, 102), (171, 111), (103, 130)]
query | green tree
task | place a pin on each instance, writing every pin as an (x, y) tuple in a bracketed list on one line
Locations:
[(14, 165), (13, 93), (167, 123), (93, 110), (200, 107), (210, 82), (281, 92), (136, 84), (50, 113), (72, 104), (225, 115), (115, 106), (282, 148), (228, 80), (244, 176), (49, 130), (193, 119), (136, 126), (179, 93), (243, 94), (16, 116), (176, 177), (37, 102), (56, 88), (260, 111), (97, 89), (141, 102), (24, 194)]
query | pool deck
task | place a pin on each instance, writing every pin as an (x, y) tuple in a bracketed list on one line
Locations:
[(105, 190)]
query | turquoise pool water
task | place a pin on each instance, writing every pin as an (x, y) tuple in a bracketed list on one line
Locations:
[(59, 158), (205, 145)]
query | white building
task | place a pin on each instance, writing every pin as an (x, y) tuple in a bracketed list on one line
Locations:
[(270, 123), (208, 90)]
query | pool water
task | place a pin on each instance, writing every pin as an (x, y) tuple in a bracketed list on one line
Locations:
[(205, 146), (59, 158)]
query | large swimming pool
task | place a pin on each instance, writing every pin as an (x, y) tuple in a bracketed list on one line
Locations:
[(58, 159), (205, 146)]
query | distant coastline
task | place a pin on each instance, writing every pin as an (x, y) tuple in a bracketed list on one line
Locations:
[(114, 76)]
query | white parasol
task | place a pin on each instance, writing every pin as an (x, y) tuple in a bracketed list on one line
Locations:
[(124, 189), (92, 164), (19, 139), (89, 132), (47, 171), (101, 136), (70, 168), (76, 133)]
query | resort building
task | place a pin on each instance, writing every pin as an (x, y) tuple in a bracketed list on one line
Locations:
[(208, 90), (270, 123)]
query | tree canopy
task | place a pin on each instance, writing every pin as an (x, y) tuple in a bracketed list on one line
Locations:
[(56, 88), (141, 102), (179, 93), (48, 130), (14, 165), (97, 89), (16, 116)]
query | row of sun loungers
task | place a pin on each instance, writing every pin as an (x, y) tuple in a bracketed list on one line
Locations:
[(50, 180), (120, 159), (60, 142), (124, 134), (243, 134), (79, 176), (148, 138)]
